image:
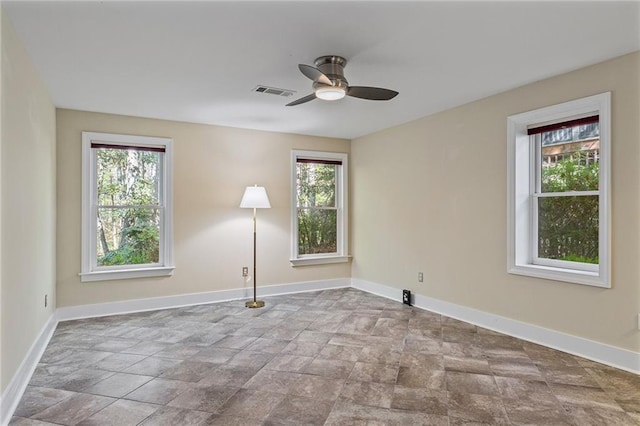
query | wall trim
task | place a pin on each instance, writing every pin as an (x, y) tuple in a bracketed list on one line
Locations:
[(18, 384), (176, 301), (600, 352)]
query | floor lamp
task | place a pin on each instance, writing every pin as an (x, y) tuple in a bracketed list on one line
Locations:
[(255, 197)]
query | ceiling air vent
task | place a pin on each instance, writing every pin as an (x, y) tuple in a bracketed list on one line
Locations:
[(273, 91)]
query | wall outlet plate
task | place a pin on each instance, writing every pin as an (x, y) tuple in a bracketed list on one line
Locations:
[(245, 271), (420, 277)]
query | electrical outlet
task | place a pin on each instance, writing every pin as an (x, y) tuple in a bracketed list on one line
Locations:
[(420, 277), (46, 296), (245, 271), (638, 321), (406, 297)]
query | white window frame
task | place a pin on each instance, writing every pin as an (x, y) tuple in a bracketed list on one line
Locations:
[(342, 185), (90, 271), (521, 194)]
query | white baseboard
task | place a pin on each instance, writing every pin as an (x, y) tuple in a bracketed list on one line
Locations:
[(154, 303), (13, 393), (599, 352)]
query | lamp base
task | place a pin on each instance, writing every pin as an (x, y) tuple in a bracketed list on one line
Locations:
[(254, 304)]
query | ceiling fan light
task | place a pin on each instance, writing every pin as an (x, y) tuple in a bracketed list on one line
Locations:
[(330, 93)]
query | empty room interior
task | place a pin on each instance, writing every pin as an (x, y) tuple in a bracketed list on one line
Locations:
[(320, 213)]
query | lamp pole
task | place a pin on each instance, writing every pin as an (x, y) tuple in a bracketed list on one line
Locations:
[(255, 303)]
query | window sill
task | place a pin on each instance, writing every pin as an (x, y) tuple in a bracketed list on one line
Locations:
[(319, 260), (122, 274), (575, 276)]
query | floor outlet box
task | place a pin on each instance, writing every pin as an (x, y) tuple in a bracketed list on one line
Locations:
[(406, 297)]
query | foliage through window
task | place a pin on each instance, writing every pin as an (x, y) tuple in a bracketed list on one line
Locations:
[(567, 193), (319, 217), (127, 206), (317, 210)]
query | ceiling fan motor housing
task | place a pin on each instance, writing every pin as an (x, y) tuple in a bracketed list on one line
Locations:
[(333, 67)]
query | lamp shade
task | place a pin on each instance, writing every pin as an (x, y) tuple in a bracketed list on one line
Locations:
[(255, 197)]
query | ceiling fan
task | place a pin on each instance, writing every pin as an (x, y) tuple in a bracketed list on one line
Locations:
[(329, 83)]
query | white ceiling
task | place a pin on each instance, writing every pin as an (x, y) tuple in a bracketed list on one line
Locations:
[(198, 61)]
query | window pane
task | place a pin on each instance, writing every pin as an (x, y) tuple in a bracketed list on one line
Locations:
[(570, 159), (316, 185), (128, 236), (568, 228), (128, 177), (317, 231)]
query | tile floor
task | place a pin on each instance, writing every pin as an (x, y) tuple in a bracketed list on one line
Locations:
[(335, 357)]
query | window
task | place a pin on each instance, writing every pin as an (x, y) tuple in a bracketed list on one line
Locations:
[(126, 212), (319, 208), (558, 192)]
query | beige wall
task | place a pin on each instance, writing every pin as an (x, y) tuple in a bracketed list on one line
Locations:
[(28, 203), (213, 237), (430, 196)]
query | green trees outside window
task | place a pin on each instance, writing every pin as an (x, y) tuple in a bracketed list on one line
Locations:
[(317, 210), (568, 224), (128, 206)]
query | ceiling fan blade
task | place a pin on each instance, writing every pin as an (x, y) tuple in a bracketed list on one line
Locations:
[(302, 100), (371, 93), (314, 74)]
